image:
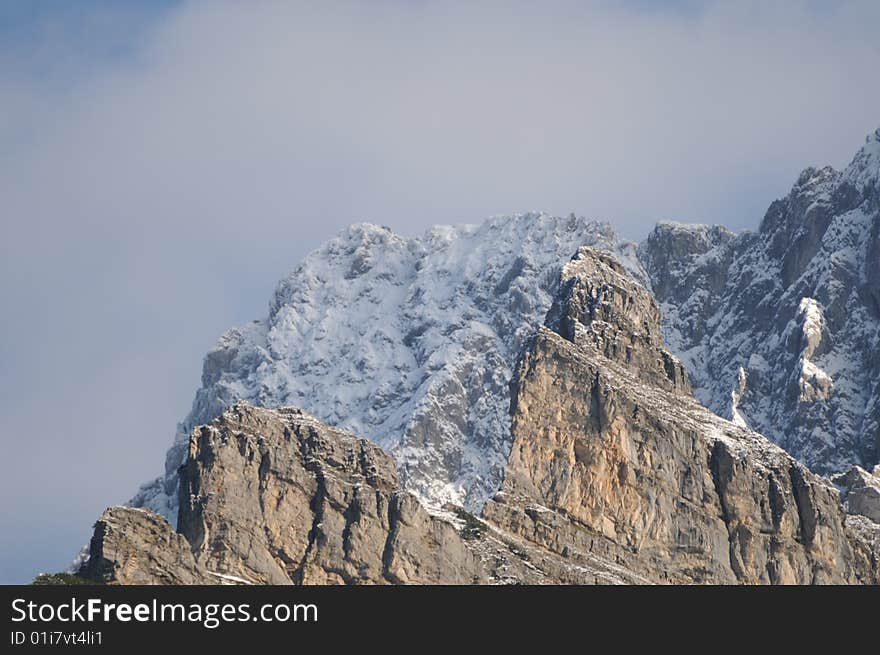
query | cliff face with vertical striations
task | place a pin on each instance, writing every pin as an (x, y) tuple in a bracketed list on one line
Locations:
[(615, 474), (276, 497), (612, 454)]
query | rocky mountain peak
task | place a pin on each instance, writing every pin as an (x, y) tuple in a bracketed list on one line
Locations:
[(612, 462), (864, 170), (673, 251), (780, 329), (599, 303), (424, 345)]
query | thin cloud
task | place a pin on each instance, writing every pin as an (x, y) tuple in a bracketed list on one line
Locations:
[(153, 196)]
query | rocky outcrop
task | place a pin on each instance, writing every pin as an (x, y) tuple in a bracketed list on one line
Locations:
[(137, 546), (276, 497), (622, 461), (861, 491), (599, 306)]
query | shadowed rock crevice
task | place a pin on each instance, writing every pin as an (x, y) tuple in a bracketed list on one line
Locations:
[(721, 465), (807, 512)]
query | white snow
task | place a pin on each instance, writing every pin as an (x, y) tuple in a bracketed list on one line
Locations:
[(735, 398), (230, 578), (811, 316)]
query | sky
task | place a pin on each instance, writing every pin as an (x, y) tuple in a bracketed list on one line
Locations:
[(164, 163)]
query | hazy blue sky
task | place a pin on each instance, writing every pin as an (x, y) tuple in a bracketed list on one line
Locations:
[(163, 164)]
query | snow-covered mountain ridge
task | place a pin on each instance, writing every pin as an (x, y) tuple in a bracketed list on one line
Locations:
[(412, 341), (408, 341), (780, 328)]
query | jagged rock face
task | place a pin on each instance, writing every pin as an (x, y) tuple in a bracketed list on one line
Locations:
[(780, 329), (641, 472), (408, 342), (276, 497), (599, 305), (861, 491), (136, 546)]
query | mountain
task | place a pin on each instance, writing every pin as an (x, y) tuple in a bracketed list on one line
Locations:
[(780, 328), (409, 342), (615, 474), (413, 343)]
